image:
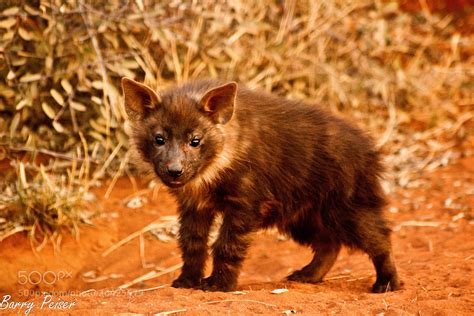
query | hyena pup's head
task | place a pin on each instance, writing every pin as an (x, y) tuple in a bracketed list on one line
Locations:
[(179, 133)]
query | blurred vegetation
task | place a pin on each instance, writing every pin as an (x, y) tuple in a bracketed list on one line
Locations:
[(408, 77)]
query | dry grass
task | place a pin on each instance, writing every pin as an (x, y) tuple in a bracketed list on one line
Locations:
[(407, 77), (44, 205)]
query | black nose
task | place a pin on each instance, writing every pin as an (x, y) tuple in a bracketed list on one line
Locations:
[(175, 172)]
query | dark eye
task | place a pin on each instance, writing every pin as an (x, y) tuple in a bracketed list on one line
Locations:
[(195, 142), (160, 141)]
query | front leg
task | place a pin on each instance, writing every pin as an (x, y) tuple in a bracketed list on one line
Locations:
[(193, 236), (229, 251)]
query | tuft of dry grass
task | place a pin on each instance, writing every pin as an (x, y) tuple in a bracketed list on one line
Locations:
[(44, 204)]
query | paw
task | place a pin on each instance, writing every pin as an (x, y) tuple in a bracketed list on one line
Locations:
[(213, 284), (186, 283), (303, 277), (387, 286)]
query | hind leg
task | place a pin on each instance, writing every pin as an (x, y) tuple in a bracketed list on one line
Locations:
[(373, 237), (323, 260), (387, 279)]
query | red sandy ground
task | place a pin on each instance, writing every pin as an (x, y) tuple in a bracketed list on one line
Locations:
[(435, 263)]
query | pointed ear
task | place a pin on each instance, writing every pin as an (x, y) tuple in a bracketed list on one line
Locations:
[(139, 98), (219, 102)]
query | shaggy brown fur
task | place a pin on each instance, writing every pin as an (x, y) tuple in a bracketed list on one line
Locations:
[(260, 161)]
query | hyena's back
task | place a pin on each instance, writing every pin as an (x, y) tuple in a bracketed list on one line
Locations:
[(299, 153)]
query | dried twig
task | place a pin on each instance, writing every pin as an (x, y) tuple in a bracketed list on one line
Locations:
[(13, 232), (417, 224), (100, 58), (247, 301), (132, 236), (170, 312), (151, 275), (46, 152)]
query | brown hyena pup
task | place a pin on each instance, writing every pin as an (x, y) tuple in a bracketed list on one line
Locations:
[(260, 161)]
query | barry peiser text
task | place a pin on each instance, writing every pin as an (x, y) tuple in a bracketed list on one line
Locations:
[(26, 307)]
